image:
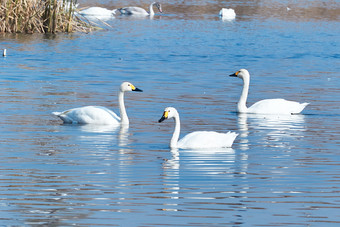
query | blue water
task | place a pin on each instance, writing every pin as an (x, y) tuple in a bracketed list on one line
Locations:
[(281, 171)]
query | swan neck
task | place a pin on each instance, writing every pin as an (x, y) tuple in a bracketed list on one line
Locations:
[(151, 12), (241, 105), (122, 110), (175, 135)]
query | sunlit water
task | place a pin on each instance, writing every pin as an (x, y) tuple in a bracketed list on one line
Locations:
[(281, 171)]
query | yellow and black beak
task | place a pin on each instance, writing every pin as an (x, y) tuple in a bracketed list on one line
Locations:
[(164, 117), (235, 74), (135, 88)]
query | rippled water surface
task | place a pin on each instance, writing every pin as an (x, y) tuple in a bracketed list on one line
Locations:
[(281, 171)]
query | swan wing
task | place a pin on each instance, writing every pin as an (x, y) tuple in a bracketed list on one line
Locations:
[(133, 10), (88, 115), (207, 139), (97, 11), (276, 106)]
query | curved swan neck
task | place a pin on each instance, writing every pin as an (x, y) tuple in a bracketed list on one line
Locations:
[(175, 135), (241, 105), (122, 110), (151, 12)]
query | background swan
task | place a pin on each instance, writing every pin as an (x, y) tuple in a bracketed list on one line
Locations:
[(227, 14), (98, 114), (198, 139), (98, 12), (266, 106), (132, 10)]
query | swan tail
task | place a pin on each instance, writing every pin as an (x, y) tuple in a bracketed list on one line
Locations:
[(230, 138), (57, 113), (302, 107), (64, 117), (233, 136)]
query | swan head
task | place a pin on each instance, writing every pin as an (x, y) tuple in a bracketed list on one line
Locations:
[(242, 73), (127, 86), (168, 113), (158, 5)]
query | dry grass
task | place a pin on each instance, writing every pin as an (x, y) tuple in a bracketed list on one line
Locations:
[(41, 16)]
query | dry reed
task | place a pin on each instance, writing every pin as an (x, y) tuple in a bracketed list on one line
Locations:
[(40, 16)]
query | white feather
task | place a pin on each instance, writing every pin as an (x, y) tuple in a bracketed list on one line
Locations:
[(98, 114), (227, 14), (266, 106), (198, 139)]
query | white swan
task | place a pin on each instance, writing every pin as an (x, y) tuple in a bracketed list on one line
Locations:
[(98, 114), (227, 14), (132, 10), (266, 106), (98, 12), (198, 139)]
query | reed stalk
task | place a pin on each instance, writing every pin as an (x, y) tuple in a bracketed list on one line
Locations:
[(40, 16)]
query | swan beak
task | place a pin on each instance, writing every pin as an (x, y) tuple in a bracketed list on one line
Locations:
[(133, 88), (137, 89), (159, 8), (234, 75), (165, 116)]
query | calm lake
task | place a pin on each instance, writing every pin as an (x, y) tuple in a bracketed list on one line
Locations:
[(281, 171)]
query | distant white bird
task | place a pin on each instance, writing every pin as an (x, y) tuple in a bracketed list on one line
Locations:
[(266, 106), (198, 139), (98, 12), (4, 53), (227, 14), (132, 10), (99, 114)]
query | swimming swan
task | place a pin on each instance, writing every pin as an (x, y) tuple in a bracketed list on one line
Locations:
[(266, 106), (132, 10), (99, 114), (227, 14), (198, 139)]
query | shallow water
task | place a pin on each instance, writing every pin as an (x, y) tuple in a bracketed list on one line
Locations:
[(281, 171)]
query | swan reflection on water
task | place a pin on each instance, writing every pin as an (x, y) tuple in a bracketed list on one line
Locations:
[(209, 161), (95, 128), (198, 164), (273, 128), (106, 134)]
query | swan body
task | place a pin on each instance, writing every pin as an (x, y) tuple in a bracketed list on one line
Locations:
[(132, 10), (266, 106), (198, 139), (89, 115), (227, 14), (98, 114), (98, 12)]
